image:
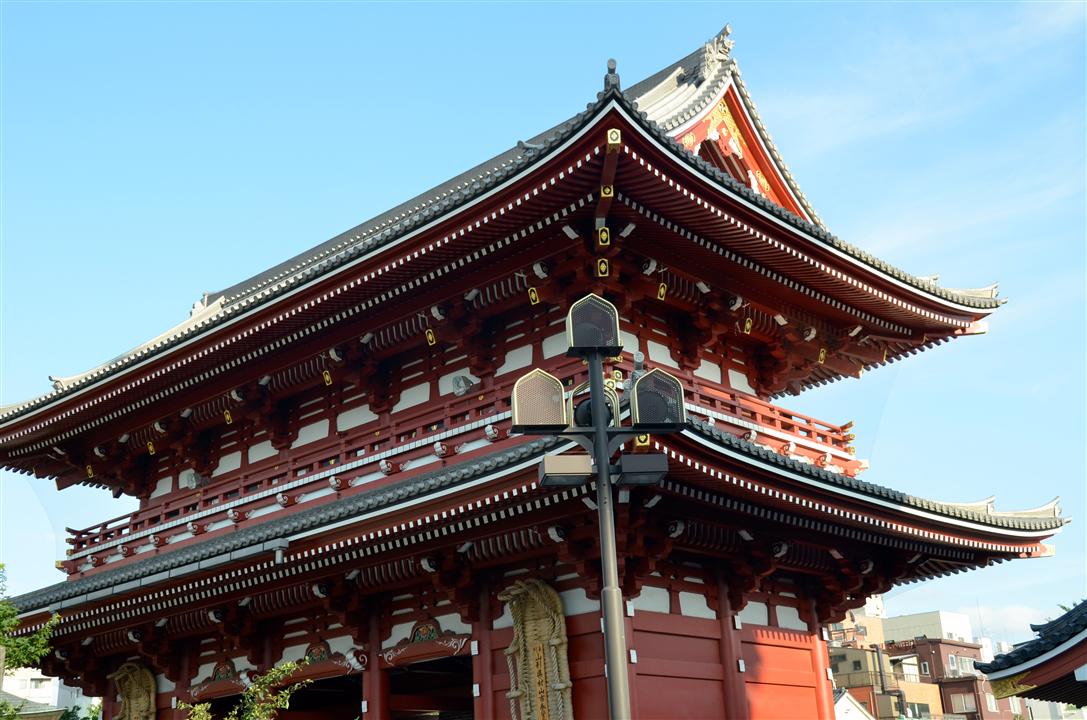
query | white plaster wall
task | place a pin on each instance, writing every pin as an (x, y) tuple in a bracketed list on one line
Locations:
[(163, 487), (709, 371), (229, 462), (454, 623), (354, 417), (554, 345), (412, 396), (516, 359), (755, 613), (694, 605), (576, 602), (789, 618), (400, 631), (738, 381), (311, 433), (262, 451), (652, 599), (660, 353)]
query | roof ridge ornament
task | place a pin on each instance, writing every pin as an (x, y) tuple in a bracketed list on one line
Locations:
[(718, 49), (611, 79)]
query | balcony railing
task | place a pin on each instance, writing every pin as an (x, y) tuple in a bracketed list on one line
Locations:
[(338, 466), (865, 679)]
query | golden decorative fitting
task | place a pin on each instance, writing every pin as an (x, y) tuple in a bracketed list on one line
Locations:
[(822, 355), (884, 354), (327, 376), (614, 138), (150, 447), (603, 235), (662, 291), (59, 565), (617, 375), (850, 437), (748, 323), (641, 441), (851, 450), (431, 338), (90, 471), (603, 268), (607, 191), (227, 417), (533, 296), (609, 383)]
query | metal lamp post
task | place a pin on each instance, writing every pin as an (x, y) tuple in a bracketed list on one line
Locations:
[(540, 407)]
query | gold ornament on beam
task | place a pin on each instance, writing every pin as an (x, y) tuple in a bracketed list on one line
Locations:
[(614, 139)]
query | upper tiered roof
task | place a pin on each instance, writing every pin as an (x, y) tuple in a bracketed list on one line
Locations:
[(663, 105)]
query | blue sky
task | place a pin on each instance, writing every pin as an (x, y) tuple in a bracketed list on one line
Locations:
[(155, 151)]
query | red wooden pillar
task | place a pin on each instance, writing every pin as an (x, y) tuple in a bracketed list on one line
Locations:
[(483, 660), (824, 693), (632, 668), (375, 683), (735, 688)]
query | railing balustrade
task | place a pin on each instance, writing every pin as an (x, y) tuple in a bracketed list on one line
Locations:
[(403, 433)]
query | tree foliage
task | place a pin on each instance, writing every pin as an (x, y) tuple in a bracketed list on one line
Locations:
[(262, 700), (22, 651)]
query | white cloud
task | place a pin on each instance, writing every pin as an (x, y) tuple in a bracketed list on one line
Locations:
[(911, 80), (1010, 623)]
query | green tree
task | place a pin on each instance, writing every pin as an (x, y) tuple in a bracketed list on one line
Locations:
[(21, 651), (262, 700)]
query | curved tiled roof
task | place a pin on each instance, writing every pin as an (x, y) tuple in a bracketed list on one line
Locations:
[(1050, 635), (1027, 520), (694, 77), (298, 522), (441, 479)]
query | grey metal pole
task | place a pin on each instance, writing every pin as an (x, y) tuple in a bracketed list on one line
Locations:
[(611, 598)]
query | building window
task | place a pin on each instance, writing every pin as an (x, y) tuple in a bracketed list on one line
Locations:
[(963, 703), (924, 667), (38, 683), (1014, 702), (990, 702), (952, 666), (856, 665)]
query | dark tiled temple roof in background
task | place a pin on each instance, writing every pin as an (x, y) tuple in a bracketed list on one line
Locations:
[(1050, 635)]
